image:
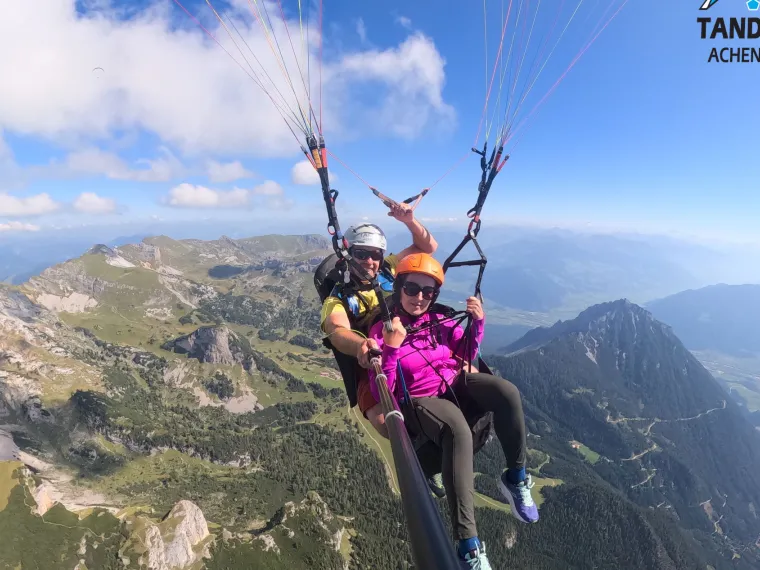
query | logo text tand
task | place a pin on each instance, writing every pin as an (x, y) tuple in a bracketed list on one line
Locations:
[(731, 28)]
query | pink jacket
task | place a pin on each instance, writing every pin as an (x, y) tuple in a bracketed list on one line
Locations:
[(424, 355)]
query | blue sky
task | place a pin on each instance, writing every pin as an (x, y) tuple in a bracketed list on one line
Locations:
[(643, 134)]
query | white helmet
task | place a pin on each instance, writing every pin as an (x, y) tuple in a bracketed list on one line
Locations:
[(368, 235)]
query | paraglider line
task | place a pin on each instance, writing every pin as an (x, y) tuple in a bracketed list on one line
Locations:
[(293, 116), (510, 123), (489, 124), (601, 19), (495, 67), (331, 153), (572, 64), (504, 69), (510, 60), (260, 20), (290, 40), (539, 57), (308, 59), (452, 168), (282, 64), (524, 52), (320, 67), (253, 78), (485, 39)]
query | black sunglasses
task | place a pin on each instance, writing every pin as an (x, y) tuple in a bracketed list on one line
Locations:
[(365, 254), (412, 289)]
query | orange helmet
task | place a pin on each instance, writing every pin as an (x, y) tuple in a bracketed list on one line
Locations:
[(421, 263)]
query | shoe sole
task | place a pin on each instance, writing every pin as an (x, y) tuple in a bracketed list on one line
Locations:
[(512, 506)]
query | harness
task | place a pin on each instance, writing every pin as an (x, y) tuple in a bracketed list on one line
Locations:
[(330, 281), (353, 302)]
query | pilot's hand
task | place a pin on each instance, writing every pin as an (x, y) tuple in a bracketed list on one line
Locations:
[(402, 212), (363, 353)]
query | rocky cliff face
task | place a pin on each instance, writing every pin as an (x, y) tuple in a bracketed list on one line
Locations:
[(41, 359), (67, 287), (180, 541), (215, 345)]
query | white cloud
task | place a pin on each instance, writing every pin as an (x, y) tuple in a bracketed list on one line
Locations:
[(303, 173), (361, 30), (96, 161), (191, 196), (175, 83), (37, 205), (413, 77), (18, 227), (227, 172), (269, 188), (269, 194), (91, 203), (404, 22)]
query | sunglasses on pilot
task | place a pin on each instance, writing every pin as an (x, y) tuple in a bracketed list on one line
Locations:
[(412, 289), (365, 254)]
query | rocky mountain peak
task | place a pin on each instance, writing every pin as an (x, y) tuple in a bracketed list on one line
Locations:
[(180, 541), (212, 344), (604, 321), (100, 249)]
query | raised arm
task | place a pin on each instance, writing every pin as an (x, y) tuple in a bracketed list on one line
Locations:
[(422, 240)]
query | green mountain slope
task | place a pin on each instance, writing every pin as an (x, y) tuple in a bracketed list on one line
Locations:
[(621, 383)]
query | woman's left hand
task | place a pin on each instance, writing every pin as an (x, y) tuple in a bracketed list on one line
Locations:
[(475, 308)]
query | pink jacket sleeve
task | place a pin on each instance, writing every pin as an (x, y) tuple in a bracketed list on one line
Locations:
[(458, 343), (390, 359)]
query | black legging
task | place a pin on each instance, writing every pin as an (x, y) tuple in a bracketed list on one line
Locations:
[(444, 423)]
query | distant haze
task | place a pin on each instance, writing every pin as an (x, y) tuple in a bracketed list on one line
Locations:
[(536, 274)]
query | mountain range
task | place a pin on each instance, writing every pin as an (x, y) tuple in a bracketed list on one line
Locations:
[(168, 404), (720, 317), (536, 276)]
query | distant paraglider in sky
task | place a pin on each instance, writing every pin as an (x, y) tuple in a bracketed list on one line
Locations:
[(98, 72)]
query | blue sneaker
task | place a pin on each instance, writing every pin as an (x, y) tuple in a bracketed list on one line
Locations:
[(520, 500), (476, 559)]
